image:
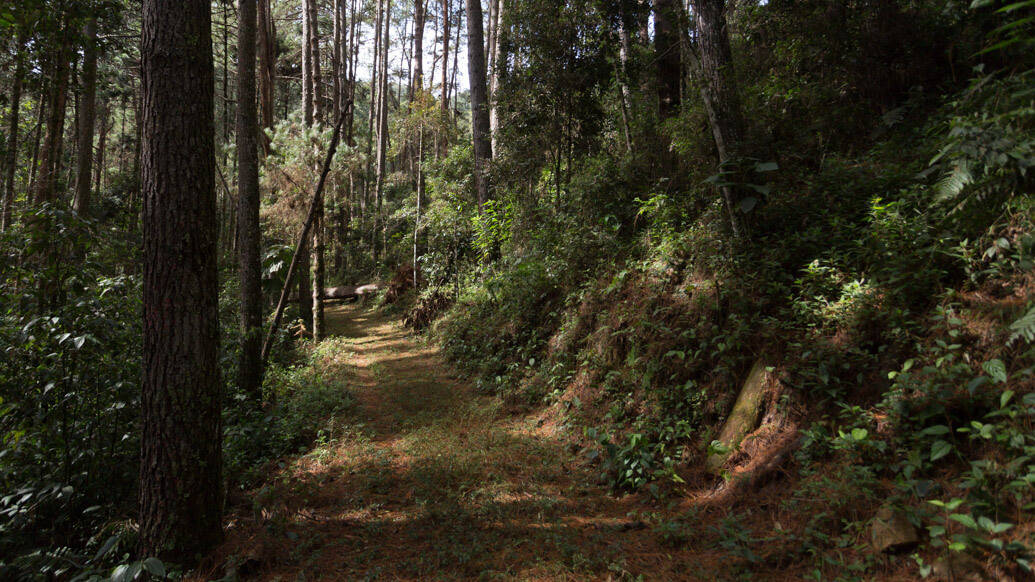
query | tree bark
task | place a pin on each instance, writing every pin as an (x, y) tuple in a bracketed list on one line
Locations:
[(267, 43), (446, 16), (719, 93), (87, 118), (308, 99), (313, 40), (418, 45), (382, 124), (479, 104), (12, 138), (249, 239), (181, 495), (102, 144), (666, 49), (51, 150)]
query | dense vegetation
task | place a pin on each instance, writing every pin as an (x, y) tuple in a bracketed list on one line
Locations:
[(841, 201)]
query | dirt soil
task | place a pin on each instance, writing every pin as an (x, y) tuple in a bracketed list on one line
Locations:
[(430, 480)]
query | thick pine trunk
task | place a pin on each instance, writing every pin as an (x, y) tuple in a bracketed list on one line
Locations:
[(87, 118), (249, 241), (181, 486), (418, 45), (719, 93), (479, 102)]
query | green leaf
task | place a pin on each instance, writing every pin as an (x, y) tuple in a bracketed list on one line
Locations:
[(766, 167), (939, 449), (748, 204), (996, 369), (859, 434), (964, 519), (155, 566), (936, 430)]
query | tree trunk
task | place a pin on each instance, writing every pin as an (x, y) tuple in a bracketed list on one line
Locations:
[(308, 99), (12, 138), (87, 117), (336, 66), (102, 143), (719, 93), (249, 238), (313, 40), (51, 150), (497, 62), (382, 124), (479, 104), (418, 45), (666, 49), (181, 494), (318, 271), (267, 43), (446, 16)]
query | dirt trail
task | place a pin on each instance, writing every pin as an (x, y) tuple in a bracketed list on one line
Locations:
[(430, 481)]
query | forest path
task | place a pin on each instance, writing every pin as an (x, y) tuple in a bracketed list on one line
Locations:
[(430, 481)]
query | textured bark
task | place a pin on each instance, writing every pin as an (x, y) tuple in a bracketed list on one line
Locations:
[(102, 143), (12, 138), (445, 58), (479, 103), (266, 46), (249, 242), (318, 272), (313, 43), (719, 93), (335, 58), (307, 64), (666, 49), (497, 62), (418, 45), (87, 118), (181, 493), (382, 124)]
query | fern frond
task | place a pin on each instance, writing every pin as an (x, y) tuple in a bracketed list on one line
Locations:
[(953, 183), (1023, 328)]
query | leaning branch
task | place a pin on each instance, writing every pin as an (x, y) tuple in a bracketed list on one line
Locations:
[(309, 219)]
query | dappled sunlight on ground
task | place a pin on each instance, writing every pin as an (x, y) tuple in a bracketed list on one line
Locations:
[(430, 480)]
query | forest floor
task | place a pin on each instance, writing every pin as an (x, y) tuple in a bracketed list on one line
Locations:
[(429, 480)]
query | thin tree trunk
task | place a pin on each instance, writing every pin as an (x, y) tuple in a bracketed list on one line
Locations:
[(181, 485), (418, 44), (87, 118), (6, 213), (102, 142), (51, 150), (249, 238), (382, 123), (308, 99), (37, 136), (479, 105), (446, 16)]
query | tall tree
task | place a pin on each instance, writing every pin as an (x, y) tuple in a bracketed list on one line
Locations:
[(50, 152), (479, 102), (267, 73), (719, 93), (666, 49), (446, 16), (249, 242), (418, 44), (12, 126), (181, 485), (87, 118)]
